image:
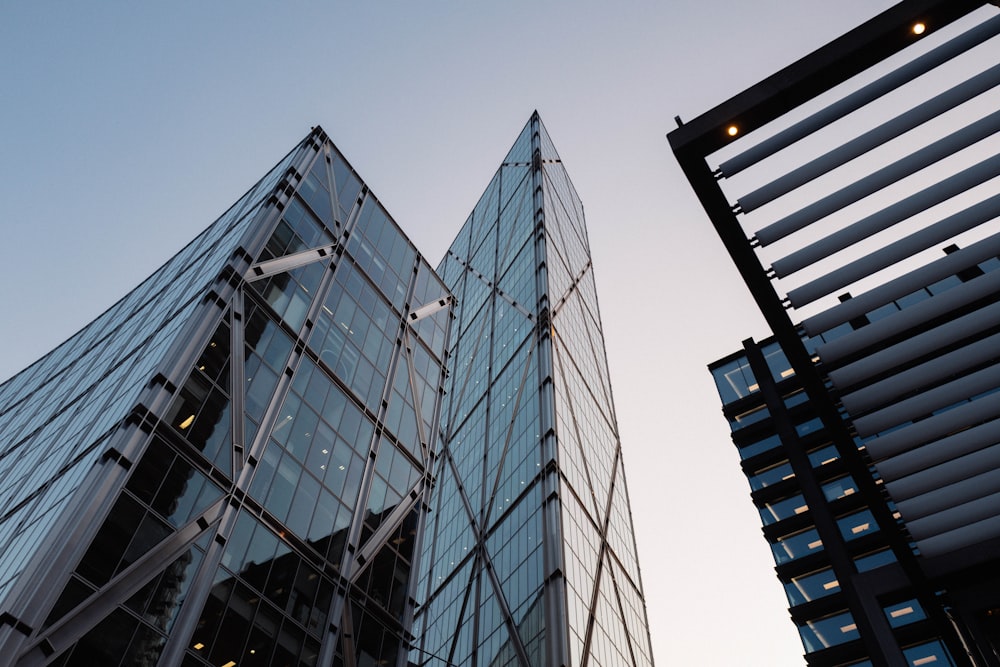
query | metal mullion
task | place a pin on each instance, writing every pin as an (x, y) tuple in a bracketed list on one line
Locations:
[(874, 629)]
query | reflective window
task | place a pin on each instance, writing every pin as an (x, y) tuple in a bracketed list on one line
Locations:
[(875, 559), (754, 448), (807, 427), (812, 586), (931, 653), (734, 380), (771, 475), (782, 509), (839, 488), (857, 525), (830, 631), (797, 398), (904, 613), (821, 457), (796, 546), (777, 361)]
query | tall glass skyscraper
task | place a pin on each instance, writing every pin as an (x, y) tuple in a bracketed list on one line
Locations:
[(530, 557), (231, 465), (238, 464)]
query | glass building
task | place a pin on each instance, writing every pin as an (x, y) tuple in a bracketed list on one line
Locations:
[(241, 462), (846, 588), (530, 556), (231, 465), (856, 192)]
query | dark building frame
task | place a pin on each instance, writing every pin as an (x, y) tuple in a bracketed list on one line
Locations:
[(692, 143)]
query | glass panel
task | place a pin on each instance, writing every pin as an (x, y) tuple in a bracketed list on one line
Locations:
[(904, 613), (754, 448), (839, 488), (771, 475), (782, 509), (795, 546), (811, 426), (777, 361), (857, 525), (813, 586), (734, 380), (752, 416), (932, 653), (874, 560), (826, 632), (821, 457)]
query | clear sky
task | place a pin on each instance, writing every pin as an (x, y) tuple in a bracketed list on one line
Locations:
[(127, 127)]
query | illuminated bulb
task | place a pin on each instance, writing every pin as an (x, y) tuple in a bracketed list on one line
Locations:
[(732, 130), (919, 28)]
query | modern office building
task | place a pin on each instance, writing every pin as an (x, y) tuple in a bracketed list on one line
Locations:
[(240, 463), (231, 465), (830, 553), (856, 192), (530, 553)]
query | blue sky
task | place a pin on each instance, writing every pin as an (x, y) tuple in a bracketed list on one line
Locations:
[(126, 128)]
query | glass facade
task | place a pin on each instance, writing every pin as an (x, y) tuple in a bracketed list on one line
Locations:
[(530, 553), (231, 465), (817, 520)]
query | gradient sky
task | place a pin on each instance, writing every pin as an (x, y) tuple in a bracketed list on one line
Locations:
[(126, 128)]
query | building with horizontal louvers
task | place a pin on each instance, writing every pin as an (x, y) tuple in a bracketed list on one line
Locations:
[(857, 193)]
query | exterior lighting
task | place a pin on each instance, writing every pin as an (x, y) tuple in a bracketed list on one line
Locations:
[(919, 28), (732, 130), (187, 422)]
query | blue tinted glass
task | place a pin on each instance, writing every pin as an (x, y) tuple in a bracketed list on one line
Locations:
[(782, 509), (857, 525), (826, 632), (734, 380), (874, 560), (771, 475), (839, 488), (754, 448), (757, 414), (932, 653), (777, 362), (813, 586), (904, 613), (821, 457), (796, 546), (811, 426)]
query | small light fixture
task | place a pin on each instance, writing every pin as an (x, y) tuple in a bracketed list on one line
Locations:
[(199, 646), (732, 130), (919, 27), (187, 422)]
